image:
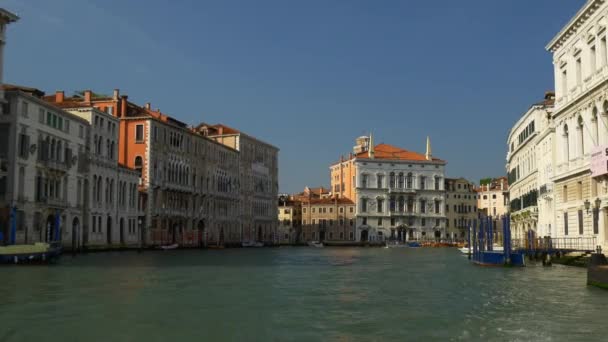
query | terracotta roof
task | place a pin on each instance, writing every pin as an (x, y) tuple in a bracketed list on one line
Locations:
[(226, 130), (329, 201), (34, 91), (390, 152)]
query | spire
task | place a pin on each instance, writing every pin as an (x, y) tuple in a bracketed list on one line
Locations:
[(370, 149), (429, 154)]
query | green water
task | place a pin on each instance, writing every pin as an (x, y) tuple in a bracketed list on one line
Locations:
[(299, 294)]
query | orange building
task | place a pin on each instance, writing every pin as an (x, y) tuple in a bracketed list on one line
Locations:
[(190, 181)]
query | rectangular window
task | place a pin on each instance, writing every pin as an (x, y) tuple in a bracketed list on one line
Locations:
[(364, 221), (579, 75), (580, 222), (423, 222), (392, 221), (380, 222), (564, 81), (592, 59), (364, 205), (24, 109), (596, 217), (579, 191), (380, 204), (603, 51), (41, 115), (565, 223), (565, 193), (139, 133)]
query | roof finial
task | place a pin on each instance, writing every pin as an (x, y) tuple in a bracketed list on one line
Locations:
[(370, 149), (429, 154)]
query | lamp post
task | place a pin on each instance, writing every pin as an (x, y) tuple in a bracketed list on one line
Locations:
[(587, 205)]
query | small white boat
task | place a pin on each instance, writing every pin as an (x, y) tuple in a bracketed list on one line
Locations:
[(316, 244), (252, 244), (168, 247), (395, 245), (465, 250)]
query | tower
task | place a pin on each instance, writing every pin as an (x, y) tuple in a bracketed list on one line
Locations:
[(6, 18), (429, 153), (370, 152)]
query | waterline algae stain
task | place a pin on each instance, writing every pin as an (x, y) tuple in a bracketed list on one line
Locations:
[(304, 294)]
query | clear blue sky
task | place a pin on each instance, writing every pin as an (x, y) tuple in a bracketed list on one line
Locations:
[(307, 76)]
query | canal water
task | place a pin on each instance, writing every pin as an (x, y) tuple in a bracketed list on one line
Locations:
[(296, 294)]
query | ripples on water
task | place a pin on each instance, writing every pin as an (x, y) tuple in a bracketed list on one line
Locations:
[(301, 294)]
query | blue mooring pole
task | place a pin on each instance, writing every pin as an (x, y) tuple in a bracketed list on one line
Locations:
[(474, 240)]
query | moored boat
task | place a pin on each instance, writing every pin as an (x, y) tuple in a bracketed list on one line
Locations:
[(315, 244), (395, 245), (39, 252), (169, 247), (247, 244), (413, 244)]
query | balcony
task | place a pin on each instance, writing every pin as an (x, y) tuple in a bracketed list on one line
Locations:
[(54, 202), (401, 191), (56, 165)]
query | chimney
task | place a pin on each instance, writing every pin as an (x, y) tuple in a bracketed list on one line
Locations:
[(148, 106), (123, 106), (116, 95), (87, 96), (59, 96)]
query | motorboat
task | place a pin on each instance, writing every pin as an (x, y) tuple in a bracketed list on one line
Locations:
[(169, 247), (316, 244), (414, 244), (248, 244), (40, 252)]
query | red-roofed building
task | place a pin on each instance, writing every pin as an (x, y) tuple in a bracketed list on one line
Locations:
[(399, 194), (190, 181)]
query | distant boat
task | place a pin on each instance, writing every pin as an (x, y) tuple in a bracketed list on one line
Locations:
[(315, 244), (252, 244), (39, 252), (395, 245), (465, 250), (414, 244), (168, 247)]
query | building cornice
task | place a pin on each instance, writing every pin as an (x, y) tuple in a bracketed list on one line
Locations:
[(572, 26), (10, 17)]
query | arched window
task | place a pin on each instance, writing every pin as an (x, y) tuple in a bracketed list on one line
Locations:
[(595, 127), (437, 182), (401, 204), (391, 180), (410, 179), (401, 180), (422, 182), (139, 164), (566, 144), (581, 137), (392, 203)]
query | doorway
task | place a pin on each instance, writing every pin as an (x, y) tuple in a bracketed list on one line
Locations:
[(364, 235), (75, 233)]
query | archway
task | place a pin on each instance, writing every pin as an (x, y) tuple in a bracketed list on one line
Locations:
[(221, 241), (259, 233), (364, 235), (437, 234), (109, 230), (50, 228), (75, 233), (201, 232), (322, 235), (173, 232), (122, 231)]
